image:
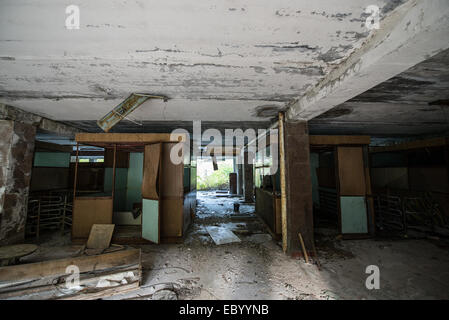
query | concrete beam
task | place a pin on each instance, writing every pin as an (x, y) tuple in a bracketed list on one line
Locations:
[(411, 33), (12, 113)]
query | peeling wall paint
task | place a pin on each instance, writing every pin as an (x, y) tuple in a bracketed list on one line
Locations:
[(16, 155)]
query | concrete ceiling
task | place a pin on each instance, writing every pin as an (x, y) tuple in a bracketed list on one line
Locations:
[(216, 60), (415, 102)]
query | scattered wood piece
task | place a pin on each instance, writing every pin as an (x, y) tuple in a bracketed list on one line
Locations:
[(99, 276), (12, 253), (100, 236), (306, 256)]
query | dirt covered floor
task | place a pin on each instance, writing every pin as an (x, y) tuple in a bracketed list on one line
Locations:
[(256, 267)]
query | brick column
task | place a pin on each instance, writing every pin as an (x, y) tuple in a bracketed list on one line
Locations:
[(16, 157), (298, 186)]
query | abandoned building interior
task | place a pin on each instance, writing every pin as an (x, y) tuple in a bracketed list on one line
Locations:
[(349, 171)]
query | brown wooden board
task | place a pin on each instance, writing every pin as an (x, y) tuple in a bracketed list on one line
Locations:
[(171, 174), (151, 166), (100, 236), (142, 138), (171, 217), (88, 211), (351, 171), (58, 267)]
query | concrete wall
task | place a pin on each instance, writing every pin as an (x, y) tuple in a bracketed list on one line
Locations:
[(16, 157)]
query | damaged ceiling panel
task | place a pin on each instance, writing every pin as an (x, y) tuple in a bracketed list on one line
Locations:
[(251, 55), (415, 102)]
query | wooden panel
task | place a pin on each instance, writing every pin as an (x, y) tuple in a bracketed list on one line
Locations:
[(58, 267), (122, 160), (172, 175), (100, 236), (144, 138), (90, 176), (171, 217), (339, 140), (151, 220), (189, 209), (151, 165), (88, 211), (351, 171)]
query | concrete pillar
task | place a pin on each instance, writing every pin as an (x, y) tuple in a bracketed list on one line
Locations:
[(16, 157), (298, 186), (248, 177), (240, 179)]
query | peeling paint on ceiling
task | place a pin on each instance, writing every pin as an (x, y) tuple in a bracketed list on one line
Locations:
[(216, 60)]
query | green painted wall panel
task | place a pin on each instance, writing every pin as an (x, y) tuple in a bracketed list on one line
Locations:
[(150, 220), (52, 159), (121, 177), (135, 176), (353, 215)]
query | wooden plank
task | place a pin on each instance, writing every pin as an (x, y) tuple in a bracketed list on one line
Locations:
[(51, 287), (58, 267), (143, 138), (171, 217), (418, 144), (100, 236), (101, 293), (339, 140), (151, 166), (351, 171), (88, 211), (283, 183), (171, 179)]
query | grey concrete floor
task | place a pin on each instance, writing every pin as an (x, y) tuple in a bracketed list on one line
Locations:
[(256, 267)]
